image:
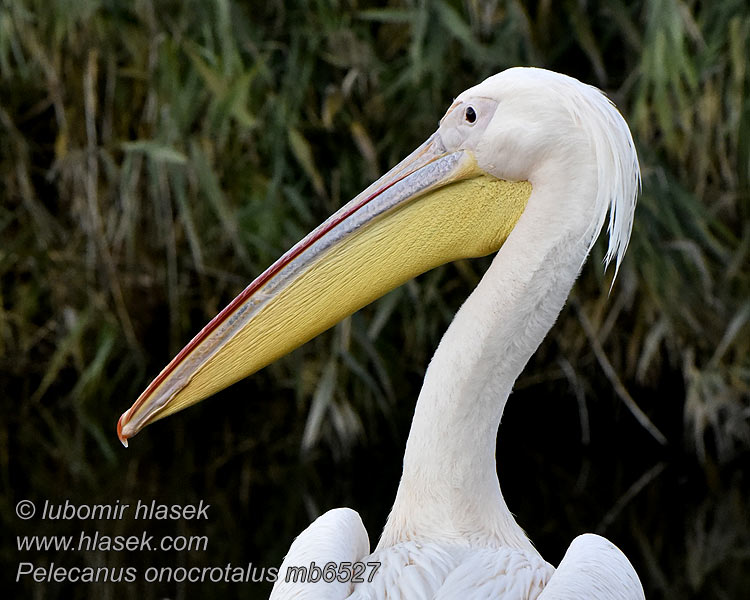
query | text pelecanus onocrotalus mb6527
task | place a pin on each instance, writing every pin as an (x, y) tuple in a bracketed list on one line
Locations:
[(528, 163)]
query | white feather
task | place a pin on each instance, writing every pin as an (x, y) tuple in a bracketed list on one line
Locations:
[(593, 567), (336, 536)]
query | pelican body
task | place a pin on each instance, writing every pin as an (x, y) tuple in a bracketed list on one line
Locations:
[(527, 164)]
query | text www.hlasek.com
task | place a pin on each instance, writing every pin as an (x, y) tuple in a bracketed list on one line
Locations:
[(87, 542)]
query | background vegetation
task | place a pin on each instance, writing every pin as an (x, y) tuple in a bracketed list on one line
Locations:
[(156, 155)]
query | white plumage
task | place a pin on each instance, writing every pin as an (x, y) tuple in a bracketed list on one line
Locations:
[(450, 534)]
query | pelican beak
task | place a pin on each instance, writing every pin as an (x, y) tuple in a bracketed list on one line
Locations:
[(434, 207)]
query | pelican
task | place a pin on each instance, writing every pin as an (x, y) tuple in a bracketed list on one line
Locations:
[(527, 164)]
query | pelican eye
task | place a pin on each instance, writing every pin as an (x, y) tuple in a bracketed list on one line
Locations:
[(470, 115)]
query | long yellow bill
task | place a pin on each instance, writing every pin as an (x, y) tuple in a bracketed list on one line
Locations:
[(433, 207)]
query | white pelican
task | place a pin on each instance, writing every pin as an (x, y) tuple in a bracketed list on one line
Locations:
[(528, 162)]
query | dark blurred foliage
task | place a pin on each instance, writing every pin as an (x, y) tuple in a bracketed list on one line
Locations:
[(156, 156)]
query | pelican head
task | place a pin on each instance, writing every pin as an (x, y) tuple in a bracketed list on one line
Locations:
[(550, 129), (459, 195)]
